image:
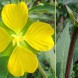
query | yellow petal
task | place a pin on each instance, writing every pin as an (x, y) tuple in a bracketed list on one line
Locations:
[(4, 39), (39, 37), (15, 16), (22, 60)]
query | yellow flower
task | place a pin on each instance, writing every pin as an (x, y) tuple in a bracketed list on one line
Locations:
[(38, 36)]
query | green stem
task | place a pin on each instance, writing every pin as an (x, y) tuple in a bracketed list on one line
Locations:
[(42, 71)]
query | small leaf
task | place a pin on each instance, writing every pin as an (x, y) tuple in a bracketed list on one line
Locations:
[(71, 14), (45, 8), (74, 20)]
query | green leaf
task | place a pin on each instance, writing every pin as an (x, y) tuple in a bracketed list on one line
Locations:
[(3, 67), (45, 8), (75, 58), (50, 55), (67, 1), (4, 2), (26, 45), (28, 1), (62, 48), (76, 23), (71, 14), (29, 22), (10, 32), (40, 17), (74, 20)]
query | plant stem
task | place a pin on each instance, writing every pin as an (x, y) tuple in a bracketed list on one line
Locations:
[(70, 54), (42, 71)]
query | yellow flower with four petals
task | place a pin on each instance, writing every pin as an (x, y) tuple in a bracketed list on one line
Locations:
[(38, 36)]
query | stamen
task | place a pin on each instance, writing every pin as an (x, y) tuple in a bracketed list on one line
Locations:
[(17, 39)]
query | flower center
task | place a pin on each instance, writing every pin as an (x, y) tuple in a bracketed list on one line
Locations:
[(17, 39)]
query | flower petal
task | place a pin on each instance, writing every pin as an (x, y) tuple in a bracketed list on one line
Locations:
[(4, 39), (39, 37), (15, 16), (22, 60)]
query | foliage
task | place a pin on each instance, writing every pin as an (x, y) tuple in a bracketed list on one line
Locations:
[(67, 14)]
